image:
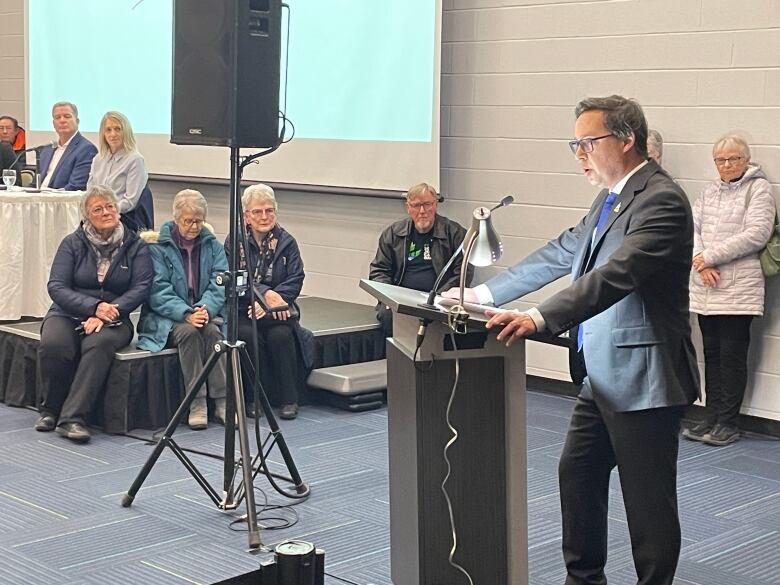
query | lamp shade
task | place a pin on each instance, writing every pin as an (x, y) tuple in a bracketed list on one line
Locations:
[(487, 247)]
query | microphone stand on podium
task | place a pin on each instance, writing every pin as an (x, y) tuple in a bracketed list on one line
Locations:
[(483, 248)]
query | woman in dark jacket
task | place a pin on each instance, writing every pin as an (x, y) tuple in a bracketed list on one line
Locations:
[(185, 306), (101, 272), (276, 273)]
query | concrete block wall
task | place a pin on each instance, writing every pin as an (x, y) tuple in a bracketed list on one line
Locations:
[(12, 48), (512, 71)]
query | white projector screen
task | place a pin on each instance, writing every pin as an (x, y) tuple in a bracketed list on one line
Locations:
[(362, 87)]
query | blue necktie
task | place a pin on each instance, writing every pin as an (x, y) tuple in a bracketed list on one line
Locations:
[(605, 209)]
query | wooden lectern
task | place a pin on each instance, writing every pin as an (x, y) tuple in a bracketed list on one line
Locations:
[(488, 482)]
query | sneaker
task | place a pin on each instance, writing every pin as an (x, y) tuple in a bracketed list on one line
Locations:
[(74, 431), (289, 411), (199, 415), (721, 435), (45, 423), (698, 432)]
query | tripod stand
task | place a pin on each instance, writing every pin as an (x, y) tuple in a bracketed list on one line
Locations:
[(235, 414)]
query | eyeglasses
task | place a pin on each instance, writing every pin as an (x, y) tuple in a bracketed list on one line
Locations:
[(260, 212), (586, 144), (191, 222), (99, 210), (6, 128), (426, 205), (732, 160)]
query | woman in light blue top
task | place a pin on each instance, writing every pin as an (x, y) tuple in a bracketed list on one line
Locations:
[(118, 163)]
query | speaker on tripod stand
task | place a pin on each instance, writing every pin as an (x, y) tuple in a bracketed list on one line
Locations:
[(230, 29), (226, 69)]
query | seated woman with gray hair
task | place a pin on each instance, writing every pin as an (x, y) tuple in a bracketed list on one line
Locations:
[(101, 273), (275, 268), (185, 306)]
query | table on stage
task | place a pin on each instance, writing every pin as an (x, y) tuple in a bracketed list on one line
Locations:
[(32, 225)]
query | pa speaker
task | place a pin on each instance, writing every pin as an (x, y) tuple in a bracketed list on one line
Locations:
[(226, 68)]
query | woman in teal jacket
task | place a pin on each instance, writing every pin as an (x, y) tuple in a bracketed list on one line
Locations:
[(186, 306)]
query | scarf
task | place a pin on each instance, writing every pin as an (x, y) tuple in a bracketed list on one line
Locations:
[(105, 250)]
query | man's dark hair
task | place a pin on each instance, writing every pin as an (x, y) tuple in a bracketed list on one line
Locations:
[(622, 117), (14, 120)]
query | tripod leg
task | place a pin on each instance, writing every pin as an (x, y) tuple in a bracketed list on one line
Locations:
[(165, 439), (234, 378), (300, 487)]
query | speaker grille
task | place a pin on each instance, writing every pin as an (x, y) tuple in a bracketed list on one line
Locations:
[(226, 72)]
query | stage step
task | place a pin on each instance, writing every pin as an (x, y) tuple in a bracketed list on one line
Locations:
[(353, 387)]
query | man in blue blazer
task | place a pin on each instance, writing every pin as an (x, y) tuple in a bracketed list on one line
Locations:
[(67, 166), (630, 259)]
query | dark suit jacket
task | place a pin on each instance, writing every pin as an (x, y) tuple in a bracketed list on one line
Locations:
[(73, 170), (630, 293), (7, 156)]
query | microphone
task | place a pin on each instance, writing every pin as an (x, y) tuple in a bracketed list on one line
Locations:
[(432, 295), (53, 144)]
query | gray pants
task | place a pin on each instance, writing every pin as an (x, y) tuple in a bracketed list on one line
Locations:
[(195, 346)]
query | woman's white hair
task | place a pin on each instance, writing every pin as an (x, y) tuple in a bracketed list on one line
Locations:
[(189, 200), (732, 139), (96, 192), (258, 192)]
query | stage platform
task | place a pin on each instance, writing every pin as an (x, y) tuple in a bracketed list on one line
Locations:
[(144, 389)]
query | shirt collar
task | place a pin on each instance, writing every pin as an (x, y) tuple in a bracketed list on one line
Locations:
[(622, 182)]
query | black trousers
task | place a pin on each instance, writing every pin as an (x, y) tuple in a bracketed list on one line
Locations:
[(726, 341), (279, 364), (644, 446), (73, 368)]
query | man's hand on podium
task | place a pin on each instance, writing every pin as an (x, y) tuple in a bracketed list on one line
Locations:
[(516, 325), (454, 293)]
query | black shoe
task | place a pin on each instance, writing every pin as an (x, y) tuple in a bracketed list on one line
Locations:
[(698, 432), (46, 423), (721, 435), (289, 411), (74, 431)]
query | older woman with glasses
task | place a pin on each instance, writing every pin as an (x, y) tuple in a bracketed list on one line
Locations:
[(101, 272), (273, 261), (733, 219), (185, 306)]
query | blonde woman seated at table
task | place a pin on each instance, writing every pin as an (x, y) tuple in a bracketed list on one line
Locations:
[(101, 273), (119, 165), (185, 306)]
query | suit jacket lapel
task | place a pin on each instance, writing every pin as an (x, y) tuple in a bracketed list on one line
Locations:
[(583, 254), (69, 153), (634, 185)]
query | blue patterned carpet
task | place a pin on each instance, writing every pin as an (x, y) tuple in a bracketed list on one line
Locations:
[(61, 521)]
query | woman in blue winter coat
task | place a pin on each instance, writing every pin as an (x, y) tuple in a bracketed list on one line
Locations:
[(101, 273), (185, 306), (275, 270)]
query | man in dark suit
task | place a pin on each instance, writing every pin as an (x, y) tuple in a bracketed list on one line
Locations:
[(67, 166), (7, 158), (629, 259)]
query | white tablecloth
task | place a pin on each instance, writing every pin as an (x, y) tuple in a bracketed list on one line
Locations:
[(32, 225)]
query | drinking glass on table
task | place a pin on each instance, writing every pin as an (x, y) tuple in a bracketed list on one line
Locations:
[(9, 178)]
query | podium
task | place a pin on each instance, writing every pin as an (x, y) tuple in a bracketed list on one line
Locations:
[(487, 485)]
